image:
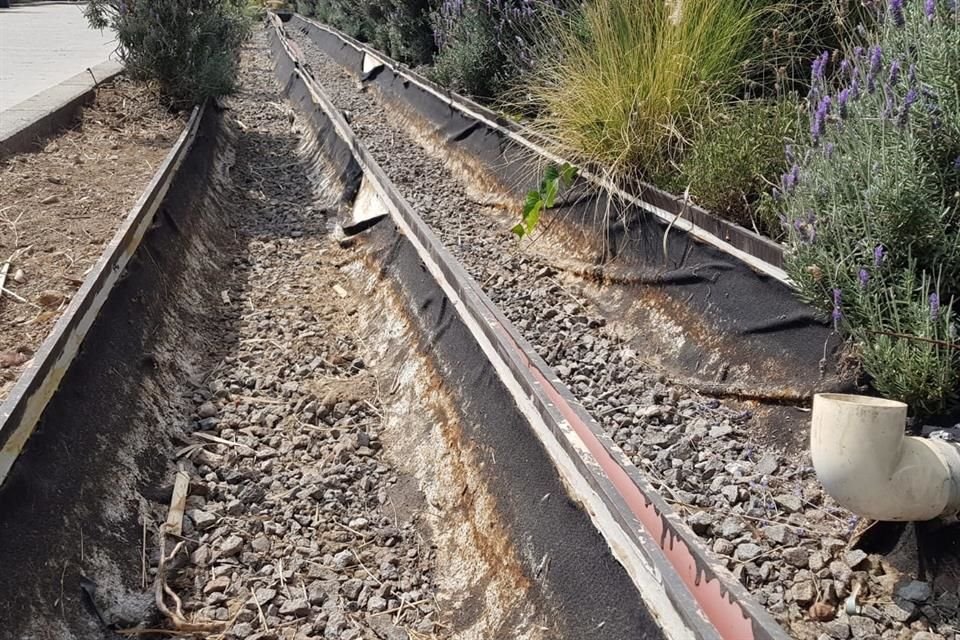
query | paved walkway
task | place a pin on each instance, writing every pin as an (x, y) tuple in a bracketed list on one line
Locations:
[(43, 45)]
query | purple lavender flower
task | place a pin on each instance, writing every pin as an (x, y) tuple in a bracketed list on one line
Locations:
[(888, 102), (876, 59), (820, 118), (791, 157), (879, 255), (908, 101), (864, 278), (956, 163), (819, 66), (791, 178), (842, 99), (896, 12), (930, 9), (858, 51), (894, 74), (828, 150), (837, 315), (934, 306)]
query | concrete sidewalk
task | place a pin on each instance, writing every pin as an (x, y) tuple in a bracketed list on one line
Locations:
[(42, 45)]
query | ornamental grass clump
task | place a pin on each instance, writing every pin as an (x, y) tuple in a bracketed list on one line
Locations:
[(188, 47), (870, 201), (621, 86)]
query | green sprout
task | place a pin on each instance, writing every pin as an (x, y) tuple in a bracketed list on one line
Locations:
[(545, 197)]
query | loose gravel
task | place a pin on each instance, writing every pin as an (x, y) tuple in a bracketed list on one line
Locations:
[(762, 512), (293, 534)]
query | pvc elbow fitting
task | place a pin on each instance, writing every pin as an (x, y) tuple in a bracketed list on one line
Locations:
[(866, 462)]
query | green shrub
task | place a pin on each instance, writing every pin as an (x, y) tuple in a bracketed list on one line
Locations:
[(870, 202), (188, 47), (621, 88), (399, 28), (469, 60), (486, 45), (306, 8), (733, 158)]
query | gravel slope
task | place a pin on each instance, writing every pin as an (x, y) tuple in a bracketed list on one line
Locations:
[(762, 512)]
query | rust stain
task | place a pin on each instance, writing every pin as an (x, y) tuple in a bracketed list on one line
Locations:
[(490, 535), (494, 539)]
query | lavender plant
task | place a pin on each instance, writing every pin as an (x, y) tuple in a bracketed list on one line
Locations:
[(485, 45), (400, 28), (870, 202), (188, 47)]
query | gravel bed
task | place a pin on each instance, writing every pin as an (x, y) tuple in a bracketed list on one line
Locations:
[(763, 513), (290, 490)]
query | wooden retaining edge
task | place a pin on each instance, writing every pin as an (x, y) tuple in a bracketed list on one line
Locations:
[(690, 590), (760, 253), (53, 109), (22, 410)]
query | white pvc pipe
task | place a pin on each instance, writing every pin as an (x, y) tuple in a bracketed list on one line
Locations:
[(866, 463)]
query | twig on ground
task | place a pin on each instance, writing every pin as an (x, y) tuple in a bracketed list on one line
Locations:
[(17, 298), (219, 440), (263, 618), (173, 525), (143, 556)]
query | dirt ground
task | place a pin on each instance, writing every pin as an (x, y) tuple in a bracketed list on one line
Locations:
[(60, 205)]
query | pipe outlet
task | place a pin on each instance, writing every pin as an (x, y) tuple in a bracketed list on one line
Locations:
[(867, 463)]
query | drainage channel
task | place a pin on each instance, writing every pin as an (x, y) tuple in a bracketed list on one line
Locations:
[(657, 545), (270, 434), (706, 396)]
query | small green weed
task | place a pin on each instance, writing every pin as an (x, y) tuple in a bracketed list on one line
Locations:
[(539, 200)]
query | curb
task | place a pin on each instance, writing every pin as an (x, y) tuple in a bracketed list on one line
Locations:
[(51, 110)]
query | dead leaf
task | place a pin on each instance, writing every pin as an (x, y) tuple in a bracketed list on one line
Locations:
[(822, 612), (12, 359), (50, 298)]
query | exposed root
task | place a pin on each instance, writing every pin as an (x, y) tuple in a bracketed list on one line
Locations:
[(179, 623)]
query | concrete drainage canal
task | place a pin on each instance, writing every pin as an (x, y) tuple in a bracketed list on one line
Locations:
[(272, 434)]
